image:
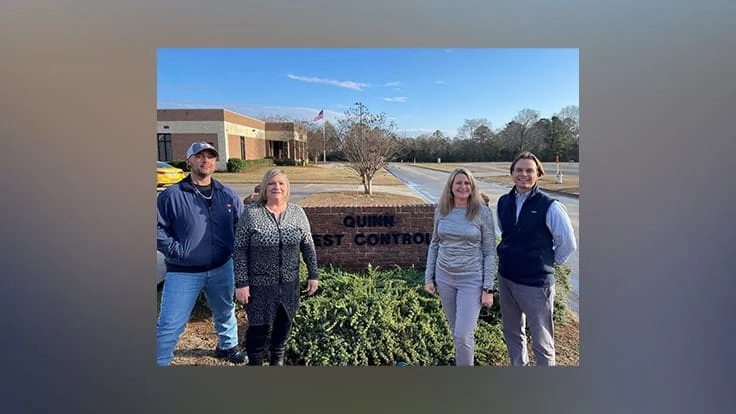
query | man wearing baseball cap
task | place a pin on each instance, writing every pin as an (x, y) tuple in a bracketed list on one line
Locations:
[(197, 218)]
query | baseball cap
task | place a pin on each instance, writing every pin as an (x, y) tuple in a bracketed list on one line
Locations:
[(198, 147)]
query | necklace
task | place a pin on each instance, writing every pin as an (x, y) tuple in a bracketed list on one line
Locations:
[(203, 196)]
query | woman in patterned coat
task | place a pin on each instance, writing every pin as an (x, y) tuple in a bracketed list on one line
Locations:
[(270, 236)]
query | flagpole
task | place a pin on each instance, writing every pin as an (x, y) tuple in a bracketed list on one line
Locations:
[(324, 142)]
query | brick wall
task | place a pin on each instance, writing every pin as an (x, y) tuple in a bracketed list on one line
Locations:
[(180, 143), (351, 237), (236, 118), (255, 148), (190, 115)]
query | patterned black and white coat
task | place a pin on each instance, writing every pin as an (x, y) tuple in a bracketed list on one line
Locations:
[(266, 258)]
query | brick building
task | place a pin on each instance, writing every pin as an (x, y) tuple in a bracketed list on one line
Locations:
[(234, 135)]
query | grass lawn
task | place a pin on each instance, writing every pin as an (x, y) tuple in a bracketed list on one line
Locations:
[(310, 174), (352, 198), (570, 184)]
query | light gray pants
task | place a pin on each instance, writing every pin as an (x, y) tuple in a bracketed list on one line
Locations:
[(519, 304), (461, 302)]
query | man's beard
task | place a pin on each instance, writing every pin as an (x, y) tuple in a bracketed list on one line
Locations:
[(200, 173)]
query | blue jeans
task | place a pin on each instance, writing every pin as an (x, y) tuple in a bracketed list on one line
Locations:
[(177, 301)]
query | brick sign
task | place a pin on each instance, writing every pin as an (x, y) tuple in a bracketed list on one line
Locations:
[(352, 237)]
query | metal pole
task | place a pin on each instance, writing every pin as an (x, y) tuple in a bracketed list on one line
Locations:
[(324, 142), (362, 138)]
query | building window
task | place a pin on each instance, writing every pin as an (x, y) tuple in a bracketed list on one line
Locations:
[(242, 147), (164, 147)]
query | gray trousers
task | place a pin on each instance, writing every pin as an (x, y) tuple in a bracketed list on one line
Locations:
[(461, 302), (521, 304)]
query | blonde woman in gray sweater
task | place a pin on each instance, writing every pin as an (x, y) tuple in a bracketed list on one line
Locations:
[(461, 260)]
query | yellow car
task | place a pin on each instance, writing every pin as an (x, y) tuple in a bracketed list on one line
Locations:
[(167, 174)]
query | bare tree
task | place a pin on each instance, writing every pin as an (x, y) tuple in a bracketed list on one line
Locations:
[(470, 125), (323, 141), (570, 115), (315, 142), (525, 119), (367, 141)]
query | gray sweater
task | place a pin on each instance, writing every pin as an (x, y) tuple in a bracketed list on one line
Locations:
[(463, 248)]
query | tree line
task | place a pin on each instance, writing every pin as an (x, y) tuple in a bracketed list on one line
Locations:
[(476, 140), (367, 141)]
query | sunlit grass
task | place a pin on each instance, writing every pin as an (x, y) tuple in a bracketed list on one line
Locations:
[(311, 174)]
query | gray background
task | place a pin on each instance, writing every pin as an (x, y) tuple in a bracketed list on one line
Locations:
[(78, 100)]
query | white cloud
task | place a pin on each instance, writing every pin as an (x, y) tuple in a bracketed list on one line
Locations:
[(181, 105), (440, 82), (358, 86), (396, 99), (392, 84), (259, 111)]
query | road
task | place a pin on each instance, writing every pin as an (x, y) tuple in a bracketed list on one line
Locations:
[(429, 183)]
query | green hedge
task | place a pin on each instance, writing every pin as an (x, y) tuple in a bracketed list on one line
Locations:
[(382, 317), (562, 290), (238, 165), (264, 162), (374, 318), (280, 162), (235, 165)]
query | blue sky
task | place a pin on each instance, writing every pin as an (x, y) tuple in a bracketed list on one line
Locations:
[(421, 90)]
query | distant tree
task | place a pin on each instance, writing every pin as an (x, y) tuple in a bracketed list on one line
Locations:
[(559, 137), (482, 133), (538, 142), (367, 141), (323, 142), (439, 146), (439, 135), (570, 115), (470, 125), (407, 149), (524, 121), (484, 144), (508, 138)]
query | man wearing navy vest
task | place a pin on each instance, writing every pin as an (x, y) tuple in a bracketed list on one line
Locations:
[(536, 233)]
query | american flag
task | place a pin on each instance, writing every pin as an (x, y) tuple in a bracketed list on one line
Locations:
[(320, 115)]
